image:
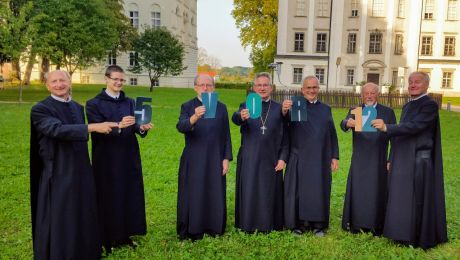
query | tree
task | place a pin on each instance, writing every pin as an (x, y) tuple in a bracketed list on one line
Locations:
[(75, 34), (159, 53), (257, 21)]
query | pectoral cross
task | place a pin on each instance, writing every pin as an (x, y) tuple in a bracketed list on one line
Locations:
[(263, 128)]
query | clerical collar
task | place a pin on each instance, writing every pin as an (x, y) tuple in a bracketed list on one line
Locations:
[(61, 99), (200, 99), (419, 97), (266, 101), (312, 102), (374, 105), (111, 95)]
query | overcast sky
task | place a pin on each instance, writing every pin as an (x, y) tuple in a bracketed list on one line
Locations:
[(218, 34)]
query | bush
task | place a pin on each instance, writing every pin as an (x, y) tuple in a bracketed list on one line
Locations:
[(233, 85)]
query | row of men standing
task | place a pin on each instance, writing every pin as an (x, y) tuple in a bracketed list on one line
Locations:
[(401, 195)]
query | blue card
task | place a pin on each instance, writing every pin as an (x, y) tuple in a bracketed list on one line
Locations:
[(254, 105), (209, 100), (369, 114), (298, 109), (143, 111)]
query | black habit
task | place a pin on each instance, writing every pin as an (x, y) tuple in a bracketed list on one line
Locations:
[(117, 169), (201, 198), (259, 188), (64, 211), (416, 212), (307, 182), (366, 194)]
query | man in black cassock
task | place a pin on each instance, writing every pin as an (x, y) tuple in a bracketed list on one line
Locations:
[(201, 198), (366, 194), (416, 211), (64, 212), (117, 163), (261, 159), (314, 152)]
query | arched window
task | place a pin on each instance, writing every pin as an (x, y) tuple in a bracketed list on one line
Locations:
[(156, 16), (133, 13)]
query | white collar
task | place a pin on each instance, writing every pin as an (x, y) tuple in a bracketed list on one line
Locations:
[(374, 105), (112, 96), (312, 102), (419, 97), (61, 99)]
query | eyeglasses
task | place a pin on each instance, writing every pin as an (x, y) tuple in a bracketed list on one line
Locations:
[(205, 85), (312, 88), (117, 80), (262, 85)]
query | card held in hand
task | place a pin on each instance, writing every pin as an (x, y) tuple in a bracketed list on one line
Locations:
[(143, 111)]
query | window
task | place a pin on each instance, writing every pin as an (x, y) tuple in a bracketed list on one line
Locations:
[(321, 42), (449, 46), (111, 59), (429, 9), (300, 8), (319, 73), (156, 19), (394, 78), (84, 79), (133, 59), (427, 46), (354, 8), (134, 17), (446, 79), (378, 8), (452, 10), (399, 44), (156, 83), (375, 42), (323, 10), (299, 41), (401, 8), (133, 81), (297, 75), (350, 77), (351, 46)]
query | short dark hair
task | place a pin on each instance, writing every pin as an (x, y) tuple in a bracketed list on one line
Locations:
[(113, 68)]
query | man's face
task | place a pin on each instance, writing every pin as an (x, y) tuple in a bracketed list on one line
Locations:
[(369, 95), (115, 81), (58, 84), (417, 85), (204, 84), (310, 89), (263, 88)]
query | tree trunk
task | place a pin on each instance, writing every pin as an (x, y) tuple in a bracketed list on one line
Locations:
[(28, 71), (15, 70), (44, 68)]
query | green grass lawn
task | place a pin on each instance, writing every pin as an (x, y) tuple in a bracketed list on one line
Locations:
[(161, 150), (455, 101)]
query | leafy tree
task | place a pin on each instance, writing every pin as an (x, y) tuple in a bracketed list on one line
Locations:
[(257, 21), (126, 32), (159, 53), (75, 34)]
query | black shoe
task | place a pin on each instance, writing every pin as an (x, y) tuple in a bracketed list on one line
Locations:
[(319, 232), (108, 249), (297, 232)]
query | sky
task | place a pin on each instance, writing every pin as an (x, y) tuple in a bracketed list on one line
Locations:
[(218, 35)]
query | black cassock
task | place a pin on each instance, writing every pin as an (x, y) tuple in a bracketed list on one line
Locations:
[(64, 211), (366, 194), (201, 198), (259, 188), (416, 212), (307, 182), (117, 169)]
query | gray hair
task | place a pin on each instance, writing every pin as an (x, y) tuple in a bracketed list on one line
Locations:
[(45, 76), (424, 75), (263, 74), (371, 84), (195, 80), (310, 77)]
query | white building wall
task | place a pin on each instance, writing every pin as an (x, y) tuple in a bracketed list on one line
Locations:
[(411, 26)]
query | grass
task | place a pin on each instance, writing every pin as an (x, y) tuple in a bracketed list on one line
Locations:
[(161, 151)]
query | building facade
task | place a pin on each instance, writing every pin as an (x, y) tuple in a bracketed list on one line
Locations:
[(347, 42), (178, 16)]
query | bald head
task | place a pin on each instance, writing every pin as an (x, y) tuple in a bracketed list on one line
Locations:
[(58, 83), (203, 83), (370, 93)]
